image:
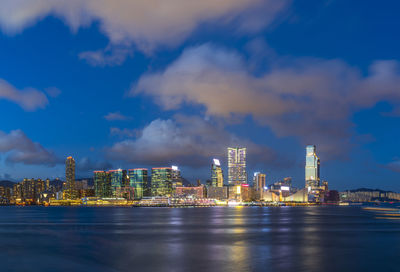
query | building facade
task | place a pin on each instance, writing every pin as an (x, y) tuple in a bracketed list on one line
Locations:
[(102, 184), (120, 184), (161, 181), (237, 165), (259, 181), (217, 176), (138, 180), (70, 191), (312, 168), (176, 177)]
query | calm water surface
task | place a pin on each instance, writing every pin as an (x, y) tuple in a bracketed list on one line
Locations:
[(197, 239)]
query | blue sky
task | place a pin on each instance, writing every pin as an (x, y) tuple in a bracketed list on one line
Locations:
[(153, 83)]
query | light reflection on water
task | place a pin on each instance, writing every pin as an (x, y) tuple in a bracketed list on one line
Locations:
[(203, 239)]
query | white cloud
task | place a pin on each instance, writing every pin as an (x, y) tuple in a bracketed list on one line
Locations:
[(20, 149), (313, 99), (112, 55), (116, 116), (29, 99), (189, 141), (125, 132), (146, 23)]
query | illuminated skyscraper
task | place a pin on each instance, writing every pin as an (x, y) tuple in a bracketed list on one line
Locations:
[(237, 165), (138, 180), (176, 177), (119, 183), (312, 168), (217, 177), (259, 181), (70, 192), (102, 184), (161, 181)]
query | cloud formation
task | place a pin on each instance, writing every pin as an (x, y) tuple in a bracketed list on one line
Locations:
[(29, 99), (125, 132), (116, 116), (112, 56), (145, 23), (20, 149), (188, 141), (310, 98)]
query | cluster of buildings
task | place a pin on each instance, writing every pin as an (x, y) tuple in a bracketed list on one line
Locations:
[(368, 195), (142, 186)]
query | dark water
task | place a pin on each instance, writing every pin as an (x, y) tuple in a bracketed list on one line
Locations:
[(197, 239)]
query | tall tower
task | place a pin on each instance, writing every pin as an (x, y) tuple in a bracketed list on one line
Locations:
[(138, 180), (312, 168), (237, 165), (70, 178), (259, 181), (217, 177)]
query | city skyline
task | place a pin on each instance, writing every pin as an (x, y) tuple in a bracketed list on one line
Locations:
[(119, 91)]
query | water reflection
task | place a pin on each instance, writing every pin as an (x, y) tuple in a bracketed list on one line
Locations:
[(204, 239)]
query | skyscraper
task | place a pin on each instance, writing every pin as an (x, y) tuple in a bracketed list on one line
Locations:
[(259, 181), (70, 192), (138, 180), (312, 168), (119, 183), (237, 165), (217, 177), (102, 184), (161, 181), (176, 177)]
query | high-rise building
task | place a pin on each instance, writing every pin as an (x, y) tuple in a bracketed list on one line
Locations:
[(259, 181), (138, 180), (102, 184), (70, 178), (176, 177), (312, 168), (237, 165), (119, 184), (217, 177), (161, 181)]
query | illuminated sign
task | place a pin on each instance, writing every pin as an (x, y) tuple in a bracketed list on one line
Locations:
[(245, 185), (175, 168), (285, 188), (216, 162)]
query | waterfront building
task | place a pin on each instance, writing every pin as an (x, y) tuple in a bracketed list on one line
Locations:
[(120, 184), (217, 177), (197, 192), (259, 181), (70, 190), (161, 181), (176, 177), (312, 168), (138, 180), (237, 165), (102, 184), (219, 193)]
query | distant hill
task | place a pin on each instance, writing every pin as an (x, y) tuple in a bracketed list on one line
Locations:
[(369, 190), (89, 180), (7, 183)]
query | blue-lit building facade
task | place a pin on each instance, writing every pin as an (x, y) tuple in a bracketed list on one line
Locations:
[(138, 180), (312, 168)]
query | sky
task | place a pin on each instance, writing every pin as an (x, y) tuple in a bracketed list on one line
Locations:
[(147, 83)]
